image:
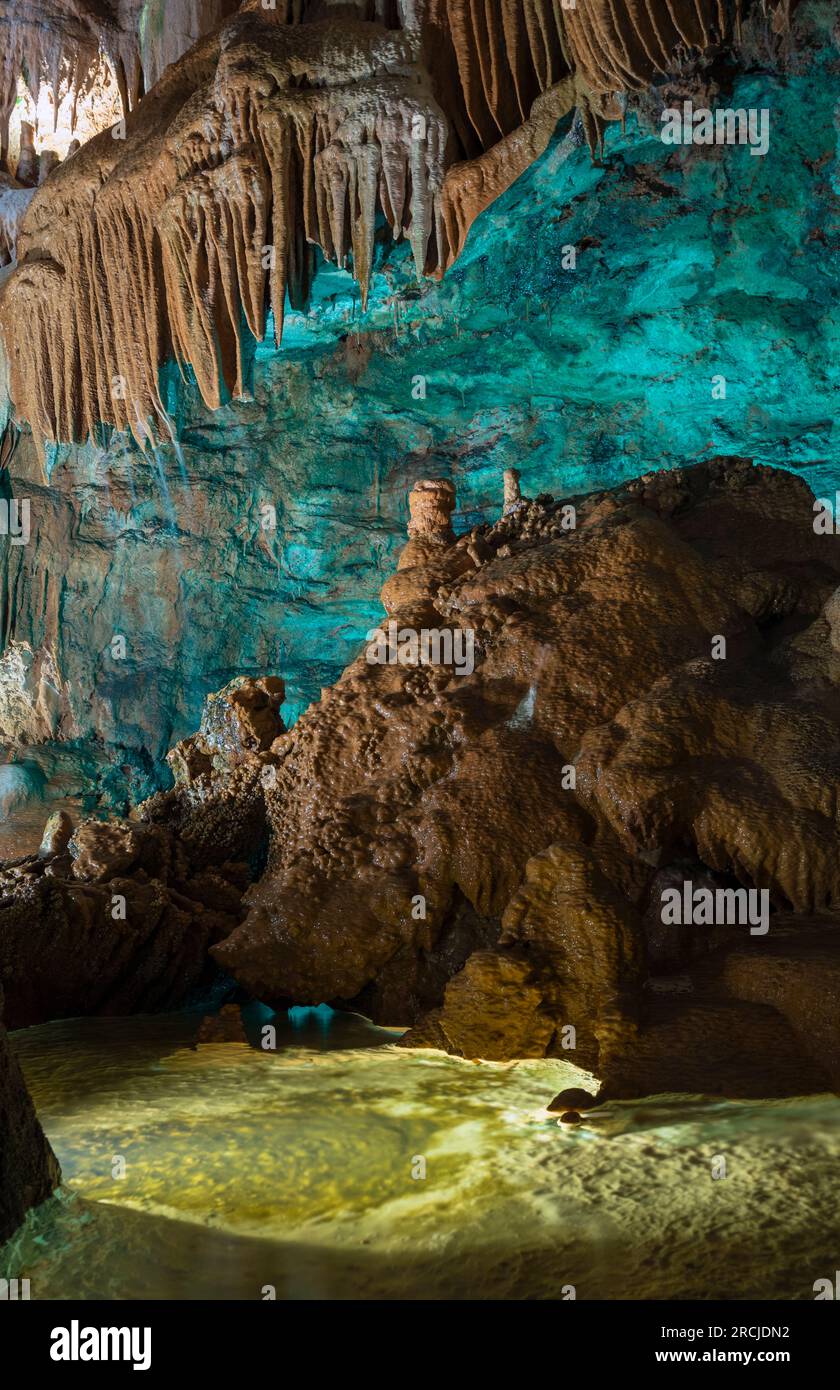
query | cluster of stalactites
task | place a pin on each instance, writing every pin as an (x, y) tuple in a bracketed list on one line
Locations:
[(57, 43), (71, 46), (320, 168), (498, 57), (184, 255), (309, 125), (40, 56)]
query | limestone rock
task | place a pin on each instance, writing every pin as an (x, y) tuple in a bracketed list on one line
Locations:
[(57, 834), (483, 857), (244, 717), (596, 757), (120, 924), (225, 1026), (217, 807), (117, 526), (102, 850), (420, 116), (29, 1171), (572, 1099)]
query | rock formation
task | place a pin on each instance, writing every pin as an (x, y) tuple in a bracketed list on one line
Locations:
[(284, 131), (28, 1169), (117, 917), (564, 718), (217, 807), (14, 200), (223, 1027), (118, 923), (484, 855), (567, 720), (510, 346), (66, 43)]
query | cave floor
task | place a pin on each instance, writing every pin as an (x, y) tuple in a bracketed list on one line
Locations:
[(300, 1171)]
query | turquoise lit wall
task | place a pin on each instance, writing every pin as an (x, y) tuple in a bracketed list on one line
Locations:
[(691, 263)]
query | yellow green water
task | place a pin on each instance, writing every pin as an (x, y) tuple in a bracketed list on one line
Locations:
[(299, 1170)]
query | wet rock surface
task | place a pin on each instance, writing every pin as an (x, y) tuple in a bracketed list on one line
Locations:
[(29, 1171), (217, 805), (117, 916), (640, 720), (484, 852), (225, 1026), (118, 922)]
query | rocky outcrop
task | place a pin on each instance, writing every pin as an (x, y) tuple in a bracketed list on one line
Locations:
[(117, 917), (224, 1027), (217, 807), (29, 1171), (577, 797), (118, 923), (486, 851)]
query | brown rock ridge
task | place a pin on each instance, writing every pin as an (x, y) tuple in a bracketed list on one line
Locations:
[(288, 129), (483, 855), (29, 1172)]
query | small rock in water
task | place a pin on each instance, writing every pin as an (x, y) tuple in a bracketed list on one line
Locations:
[(57, 833), (225, 1026), (573, 1099), (570, 1117)]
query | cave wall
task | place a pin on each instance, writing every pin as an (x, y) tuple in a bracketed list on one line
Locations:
[(29, 1171), (690, 263)]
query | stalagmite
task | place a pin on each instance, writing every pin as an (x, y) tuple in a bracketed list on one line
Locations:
[(430, 505), (513, 492), (27, 164)]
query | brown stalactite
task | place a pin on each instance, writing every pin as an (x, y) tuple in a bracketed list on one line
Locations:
[(282, 132)]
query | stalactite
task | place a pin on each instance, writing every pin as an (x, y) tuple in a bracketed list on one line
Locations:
[(14, 200), (66, 44), (281, 133), (616, 46), (52, 41), (471, 186)]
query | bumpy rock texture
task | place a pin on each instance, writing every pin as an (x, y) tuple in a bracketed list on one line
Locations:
[(593, 647), (28, 1168), (284, 131), (654, 702), (563, 716), (117, 917)]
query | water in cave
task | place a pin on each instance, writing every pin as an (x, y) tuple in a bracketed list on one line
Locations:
[(339, 1166)]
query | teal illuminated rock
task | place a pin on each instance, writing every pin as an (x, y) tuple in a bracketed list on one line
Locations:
[(663, 305)]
